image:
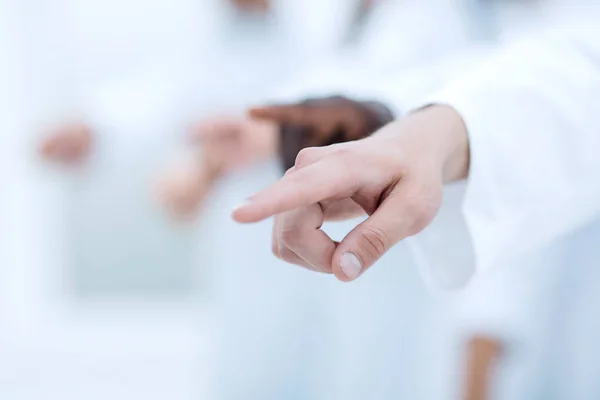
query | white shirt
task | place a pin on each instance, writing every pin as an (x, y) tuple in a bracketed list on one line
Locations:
[(532, 120), (530, 210)]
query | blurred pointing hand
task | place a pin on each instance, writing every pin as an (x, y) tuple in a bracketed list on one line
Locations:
[(226, 144), (230, 143), (395, 177), (70, 144)]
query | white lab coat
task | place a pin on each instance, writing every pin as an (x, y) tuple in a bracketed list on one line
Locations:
[(394, 36), (29, 242), (13, 102), (530, 206), (138, 104), (127, 68), (274, 325), (78, 56)]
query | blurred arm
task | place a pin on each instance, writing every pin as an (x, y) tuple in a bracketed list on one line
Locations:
[(533, 120), (482, 354)]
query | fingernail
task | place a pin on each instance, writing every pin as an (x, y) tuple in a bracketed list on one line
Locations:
[(243, 204), (351, 265)]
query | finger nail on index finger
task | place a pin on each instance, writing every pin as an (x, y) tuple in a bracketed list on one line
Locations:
[(239, 212), (242, 205)]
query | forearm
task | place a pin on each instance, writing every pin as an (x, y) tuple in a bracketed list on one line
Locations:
[(444, 133), (483, 353)]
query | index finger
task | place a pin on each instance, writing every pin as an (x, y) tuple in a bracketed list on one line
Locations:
[(309, 185), (288, 114)]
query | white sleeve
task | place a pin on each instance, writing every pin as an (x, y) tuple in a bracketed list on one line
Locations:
[(533, 120)]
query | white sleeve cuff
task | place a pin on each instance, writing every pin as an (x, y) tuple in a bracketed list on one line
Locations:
[(531, 116), (443, 250)]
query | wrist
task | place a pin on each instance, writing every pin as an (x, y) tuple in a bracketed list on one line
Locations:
[(449, 139), (457, 155)]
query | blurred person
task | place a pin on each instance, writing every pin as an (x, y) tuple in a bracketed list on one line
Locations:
[(128, 91), (111, 90), (47, 352), (106, 103), (271, 359)]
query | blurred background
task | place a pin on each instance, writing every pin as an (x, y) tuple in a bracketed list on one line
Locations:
[(103, 294)]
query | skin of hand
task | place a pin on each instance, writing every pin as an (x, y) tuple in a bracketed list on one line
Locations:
[(483, 353), (231, 143), (222, 145), (395, 176), (183, 187), (69, 144)]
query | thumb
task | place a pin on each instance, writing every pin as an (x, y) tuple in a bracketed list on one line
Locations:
[(394, 220)]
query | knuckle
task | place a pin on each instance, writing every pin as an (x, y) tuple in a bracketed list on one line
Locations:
[(289, 171), (342, 151), (373, 242), (347, 159), (306, 156)]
